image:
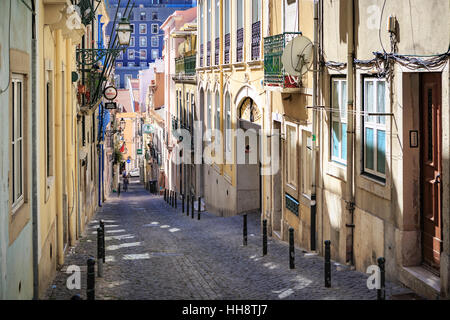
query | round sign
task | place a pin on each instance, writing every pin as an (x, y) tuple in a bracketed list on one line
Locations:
[(110, 93)]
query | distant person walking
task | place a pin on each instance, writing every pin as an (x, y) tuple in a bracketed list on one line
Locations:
[(125, 183)]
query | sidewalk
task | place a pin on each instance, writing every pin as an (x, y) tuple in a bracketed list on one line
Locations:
[(156, 252)]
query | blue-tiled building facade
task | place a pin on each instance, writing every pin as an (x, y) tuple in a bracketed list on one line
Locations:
[(146, 39)]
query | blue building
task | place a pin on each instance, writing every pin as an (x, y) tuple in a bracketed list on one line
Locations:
[(146, 39)]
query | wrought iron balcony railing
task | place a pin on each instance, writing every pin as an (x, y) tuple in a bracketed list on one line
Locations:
[(227, 49), (256, 40), (216, 52), (274, 73), (208, 54), (186, 65), (240, 45)]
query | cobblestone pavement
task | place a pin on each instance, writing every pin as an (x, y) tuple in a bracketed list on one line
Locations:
[(156, 252)]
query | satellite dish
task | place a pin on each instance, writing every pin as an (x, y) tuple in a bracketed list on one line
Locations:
[(297, 56)]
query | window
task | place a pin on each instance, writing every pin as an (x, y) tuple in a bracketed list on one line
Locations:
[(155, 28), (132, 28), (17, 143), (131, 41), (155, 54), (119, 64), (217, 20), (120, 56), (143, 16), (192, 114), (155, 41), (240, 31), (227, 23), (306, 154), (208, 112), (131, 64), (227, 115), (256, 29), (143, 64), (143, 41), (290, 16), (142, 28), (339, 121), (143, 54), (217, 120), (132, 15), (126, 79), (130, 54), (374, 127), (202, 37), (154, 15), (291, 156)]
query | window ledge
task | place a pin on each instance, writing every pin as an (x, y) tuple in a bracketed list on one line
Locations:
[(337, 170), (378, 188), (239, 66)]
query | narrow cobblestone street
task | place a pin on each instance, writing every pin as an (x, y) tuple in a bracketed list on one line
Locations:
[(155, 252)]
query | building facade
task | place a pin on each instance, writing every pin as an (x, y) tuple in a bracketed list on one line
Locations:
[(147, 38)]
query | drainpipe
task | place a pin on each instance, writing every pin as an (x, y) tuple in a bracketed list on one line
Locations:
[(314, 130), (34, 153), (350, 197)]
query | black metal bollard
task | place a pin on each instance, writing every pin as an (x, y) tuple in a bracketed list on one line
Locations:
[(244, 241), (291, 249), (192, 206), (76, 297), (165, 194), (118, 191), (199, 207), (90, 290), (264, 237), (99, 252), (327, 264), (171, 198), (102, 225), (182, 203), (381, 293), (175, 199), (187, 205)]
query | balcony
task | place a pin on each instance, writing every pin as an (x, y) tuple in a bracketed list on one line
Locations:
[(185, 66), (256, 40), (208, 54), (274, 74), (216, 51), (227, 48), (240, 45)]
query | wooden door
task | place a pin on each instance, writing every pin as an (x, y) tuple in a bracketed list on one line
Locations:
[(431, 168)]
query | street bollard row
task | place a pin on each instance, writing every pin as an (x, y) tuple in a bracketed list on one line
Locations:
[(90, 289), (381, 293), (327, 272)]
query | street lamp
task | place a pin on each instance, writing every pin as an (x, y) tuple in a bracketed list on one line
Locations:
[(124, 32)]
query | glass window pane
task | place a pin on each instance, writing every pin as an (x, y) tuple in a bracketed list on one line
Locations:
[(381, 93), (343, 106), (369, 100), (381, 151), (336, 139), (344, 142), (369, 150), (335, 98)]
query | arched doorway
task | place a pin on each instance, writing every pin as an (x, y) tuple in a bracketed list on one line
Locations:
[(249, 180)]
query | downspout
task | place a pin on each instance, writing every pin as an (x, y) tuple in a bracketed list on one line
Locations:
[(314, 131), (34, 162), (350, 197)]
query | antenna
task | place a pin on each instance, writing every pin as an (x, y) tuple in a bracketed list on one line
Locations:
[(297, 56)]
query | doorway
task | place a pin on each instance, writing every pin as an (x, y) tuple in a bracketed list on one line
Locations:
[(430, 169), (276, 181)]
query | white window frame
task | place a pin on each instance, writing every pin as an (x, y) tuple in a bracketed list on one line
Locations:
[(132, 42), (157, 54), (288, 182), (227, 121), (129, 54), (143, 40), (155, 42), (374, 122), (153, 27), (140, 54), (140, 28), (17, 138), (339, 115)]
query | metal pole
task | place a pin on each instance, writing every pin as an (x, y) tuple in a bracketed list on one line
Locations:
[(199, 206), (118, 191), (327, 264), (102, 225), (175, 199), (192, 204), (264, 237), (187, 205), (90, 291), (99, 252), (291, 249), (381, 293), (182, 203), (165, 194), (245, 230)]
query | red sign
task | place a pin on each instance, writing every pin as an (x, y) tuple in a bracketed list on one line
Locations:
[(110, 93)]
